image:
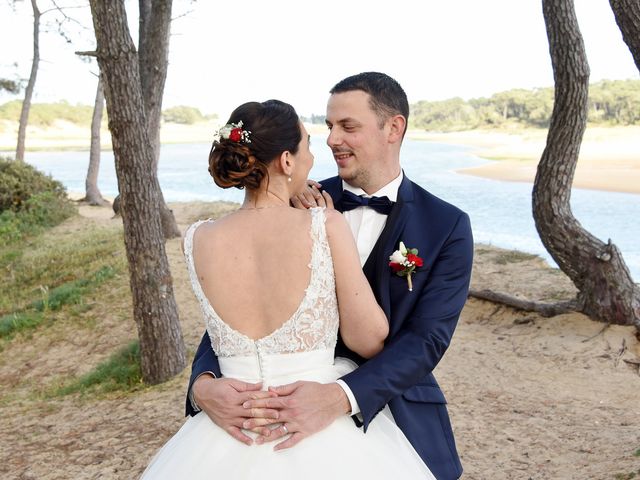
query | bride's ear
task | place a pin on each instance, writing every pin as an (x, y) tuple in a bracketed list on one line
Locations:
[(286, 162)]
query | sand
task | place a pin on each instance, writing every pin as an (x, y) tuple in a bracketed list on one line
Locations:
[(64, 135), (529, 397), (609, 157)]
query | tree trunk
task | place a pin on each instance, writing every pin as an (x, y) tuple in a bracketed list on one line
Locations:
[(28, 93), (606, 290), (153, 45), (155, 311), (153, 58), (93, 195), (627, 13)]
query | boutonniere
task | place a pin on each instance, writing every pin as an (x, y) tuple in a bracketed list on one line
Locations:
[(404, 261)]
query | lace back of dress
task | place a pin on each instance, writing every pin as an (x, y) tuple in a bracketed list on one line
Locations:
[(313, 326)]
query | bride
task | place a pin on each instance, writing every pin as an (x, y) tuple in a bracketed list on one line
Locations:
[(274, 284)]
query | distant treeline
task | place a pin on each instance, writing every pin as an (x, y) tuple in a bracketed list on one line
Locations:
[(45, 114), (611, 102)]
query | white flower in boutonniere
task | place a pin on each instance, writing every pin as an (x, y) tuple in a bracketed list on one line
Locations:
[(404, 261)]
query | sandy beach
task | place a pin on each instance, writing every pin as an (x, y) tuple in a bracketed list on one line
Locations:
[(529, 397), (68, 136), (609, 157)]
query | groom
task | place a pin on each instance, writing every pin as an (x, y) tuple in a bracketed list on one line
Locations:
[(367, 117)]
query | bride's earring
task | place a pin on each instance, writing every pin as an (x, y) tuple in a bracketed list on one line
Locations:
[(289, 179)]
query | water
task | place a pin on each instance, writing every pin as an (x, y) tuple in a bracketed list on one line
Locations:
[(500, 211)]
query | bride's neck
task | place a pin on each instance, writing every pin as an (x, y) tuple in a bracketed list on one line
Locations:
[(273, 196)]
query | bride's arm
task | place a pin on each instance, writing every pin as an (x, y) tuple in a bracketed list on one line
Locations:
[(363, 324)]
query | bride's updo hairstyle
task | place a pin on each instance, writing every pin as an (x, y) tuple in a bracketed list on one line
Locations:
[(255, 134)]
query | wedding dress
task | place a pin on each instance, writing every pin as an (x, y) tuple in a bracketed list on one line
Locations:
[(301, 349)]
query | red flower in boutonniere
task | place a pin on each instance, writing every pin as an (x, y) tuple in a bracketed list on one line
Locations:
[(404, 261)]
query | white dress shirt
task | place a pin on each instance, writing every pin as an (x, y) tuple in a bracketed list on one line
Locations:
[(367, 225)]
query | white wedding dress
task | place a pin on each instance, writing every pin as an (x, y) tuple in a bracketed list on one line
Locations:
[(301, 349)]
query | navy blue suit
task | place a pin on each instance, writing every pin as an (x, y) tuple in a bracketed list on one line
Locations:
[(421, 322)]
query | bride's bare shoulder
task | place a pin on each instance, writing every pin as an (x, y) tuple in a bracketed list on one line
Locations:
[(335, 222)]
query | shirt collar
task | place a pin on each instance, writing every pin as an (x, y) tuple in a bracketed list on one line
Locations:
[(390, 190)]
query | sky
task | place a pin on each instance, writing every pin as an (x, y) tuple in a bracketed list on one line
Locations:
[(223, 54)]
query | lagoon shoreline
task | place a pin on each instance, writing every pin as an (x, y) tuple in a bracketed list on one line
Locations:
[(609, 158)]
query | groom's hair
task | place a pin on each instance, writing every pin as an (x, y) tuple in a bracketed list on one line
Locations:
[(386, 96)]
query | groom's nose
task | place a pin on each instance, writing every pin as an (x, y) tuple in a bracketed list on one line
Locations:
[(334, 138)]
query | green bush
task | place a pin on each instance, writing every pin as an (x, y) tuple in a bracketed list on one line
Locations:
[(11, 86), (20, 181), (45, 114), (29, 200), (10, 230), (47, 209), (182, 114)]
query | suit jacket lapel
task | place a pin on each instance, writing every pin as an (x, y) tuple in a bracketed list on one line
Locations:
[(333, 186), (387, 243), (377, 266)]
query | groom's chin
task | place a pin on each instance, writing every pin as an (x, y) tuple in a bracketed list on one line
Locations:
[(354, 178)]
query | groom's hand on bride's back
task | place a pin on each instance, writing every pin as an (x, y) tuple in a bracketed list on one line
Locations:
[(305, 408), (222, 400)]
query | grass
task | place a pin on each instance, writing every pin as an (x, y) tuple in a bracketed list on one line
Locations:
[(56, 265), (14, 322), (69, 293), (513, 256), (625, 476), (502, 256), (630, 475), (72, 292), (55, 275), (120, 372), (50, 273)]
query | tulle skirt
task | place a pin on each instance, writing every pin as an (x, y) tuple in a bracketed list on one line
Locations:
[(202, 450)]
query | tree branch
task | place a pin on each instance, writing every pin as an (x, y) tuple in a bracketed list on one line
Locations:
[(544, 309), (88, 53)]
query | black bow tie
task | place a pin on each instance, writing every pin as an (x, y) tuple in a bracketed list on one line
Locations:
[(350, 200)]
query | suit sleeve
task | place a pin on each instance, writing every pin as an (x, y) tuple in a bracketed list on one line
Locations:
[(416, 349), (205, 360)]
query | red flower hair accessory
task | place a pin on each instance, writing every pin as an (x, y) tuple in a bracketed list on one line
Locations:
[(234, 132)]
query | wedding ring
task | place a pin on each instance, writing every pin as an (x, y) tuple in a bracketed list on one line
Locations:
[(284, 427)]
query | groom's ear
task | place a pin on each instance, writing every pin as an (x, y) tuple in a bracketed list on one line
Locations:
[(397, 125)]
